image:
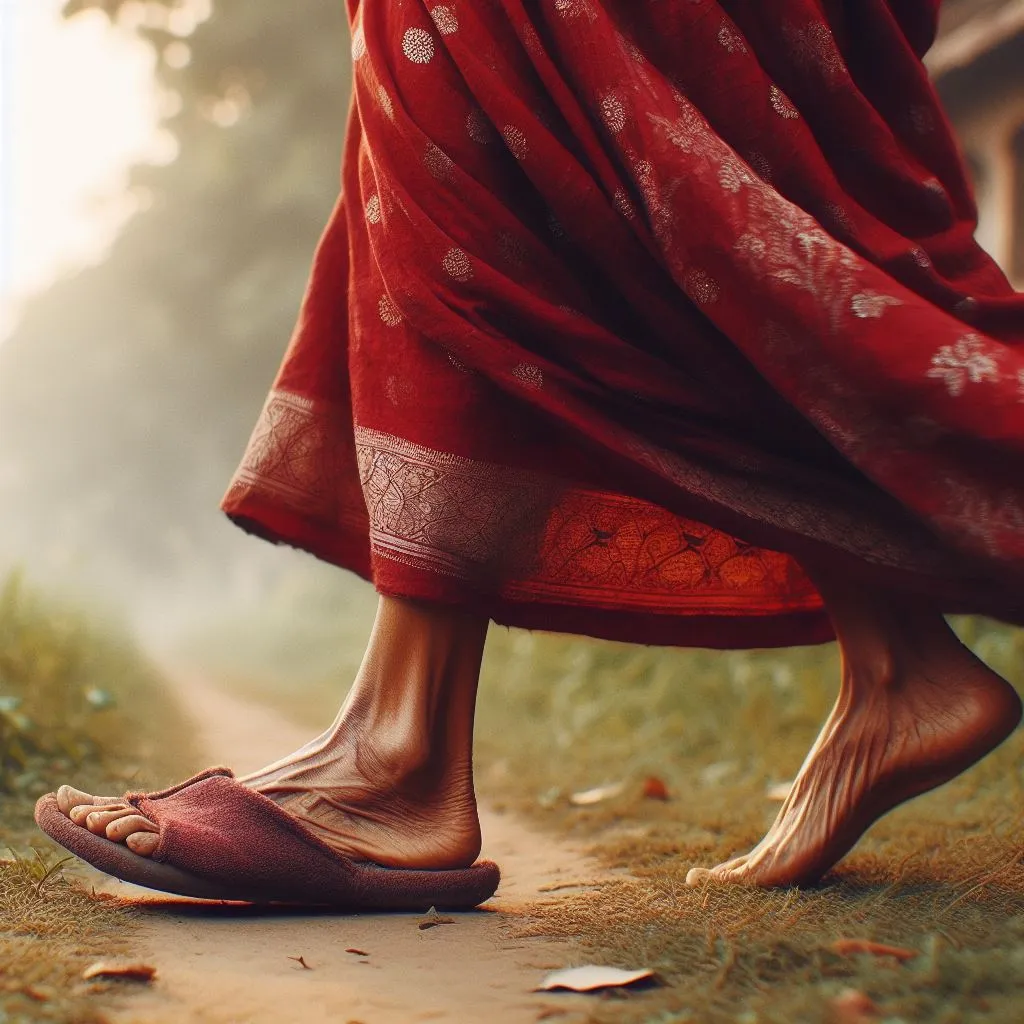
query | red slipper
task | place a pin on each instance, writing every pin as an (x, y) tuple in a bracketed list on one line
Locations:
[(220, 840)]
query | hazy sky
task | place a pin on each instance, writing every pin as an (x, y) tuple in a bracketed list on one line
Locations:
[(77, 105)]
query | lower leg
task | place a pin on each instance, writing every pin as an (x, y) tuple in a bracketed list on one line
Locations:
[(915, 708), (391, 780)]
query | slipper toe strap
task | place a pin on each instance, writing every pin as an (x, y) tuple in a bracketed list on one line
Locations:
[(220, 829)]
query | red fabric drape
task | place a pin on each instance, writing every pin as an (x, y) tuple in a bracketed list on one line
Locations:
[(628, 307)]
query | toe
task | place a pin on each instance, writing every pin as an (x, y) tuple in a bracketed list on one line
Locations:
[(119, 829), (697, 876), (68, 797), (97, 821), (143, 843), (80, 813)]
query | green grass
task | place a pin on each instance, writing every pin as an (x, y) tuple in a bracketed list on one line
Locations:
[(942, 875), (79, 704)]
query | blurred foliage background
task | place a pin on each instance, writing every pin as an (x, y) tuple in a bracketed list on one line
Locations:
[(128, 391)]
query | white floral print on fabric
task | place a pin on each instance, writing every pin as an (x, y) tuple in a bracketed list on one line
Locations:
[(373, 209), (872, 305), (516, 141), (418, 45), (575, 9), (733, 175), (624, 204), (478, 127), (385, 103), (701, 287), (782, 104), (964, 361), (730, 38), (358, 44), (760, 165), (920, 257), (783, 243), (438, 163), (531, 41), (789, 248), (530, 376), (389, 312), (613, 113), (446, 20), (457, 264), (814, 47)]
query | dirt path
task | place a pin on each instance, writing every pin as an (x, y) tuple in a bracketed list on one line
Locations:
[(218, 964)]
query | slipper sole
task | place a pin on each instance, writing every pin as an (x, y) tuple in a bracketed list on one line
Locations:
[(361, 885)]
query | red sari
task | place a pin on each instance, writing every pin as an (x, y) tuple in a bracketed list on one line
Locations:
[(628, 306)]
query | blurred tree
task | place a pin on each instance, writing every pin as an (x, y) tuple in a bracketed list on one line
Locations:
[(127, 392)]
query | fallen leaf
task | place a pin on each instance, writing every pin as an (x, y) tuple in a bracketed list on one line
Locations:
[(655, 788), (433, 919), (38, 993), (778, 791), (597, 795), (592, 977), (715, 773), (433, 922), (852, 1006), (111, 969), (299, 960), (851, 947), (358, 952)]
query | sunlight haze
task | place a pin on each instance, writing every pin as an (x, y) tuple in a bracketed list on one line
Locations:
[(81, 107)]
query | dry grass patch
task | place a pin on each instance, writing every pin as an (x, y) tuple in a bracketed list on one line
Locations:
[(80, 705), (52, 930)]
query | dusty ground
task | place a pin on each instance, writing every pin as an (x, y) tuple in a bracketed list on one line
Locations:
[(218, 963)]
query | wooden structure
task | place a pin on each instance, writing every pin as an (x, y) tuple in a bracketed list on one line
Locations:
[(978, 66)]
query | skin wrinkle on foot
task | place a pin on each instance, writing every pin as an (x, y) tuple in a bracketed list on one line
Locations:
[(893, 734)]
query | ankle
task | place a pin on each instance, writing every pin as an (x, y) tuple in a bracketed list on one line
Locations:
[(398, 761)]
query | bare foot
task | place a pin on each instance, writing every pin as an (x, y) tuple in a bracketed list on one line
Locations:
[(914, 729), (412, 814)]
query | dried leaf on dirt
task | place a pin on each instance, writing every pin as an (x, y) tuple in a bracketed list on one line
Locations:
[(358, 952), (851, 947), (655, 788), (113, 969), (852, 1006), (433, 919), (433, 922), (595, 796), (300, 960), (591, 978)]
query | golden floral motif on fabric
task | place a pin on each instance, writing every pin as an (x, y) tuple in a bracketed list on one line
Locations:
[(294, 457), (530, 535)]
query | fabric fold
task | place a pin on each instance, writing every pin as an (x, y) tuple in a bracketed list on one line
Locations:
[(627, 309)]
